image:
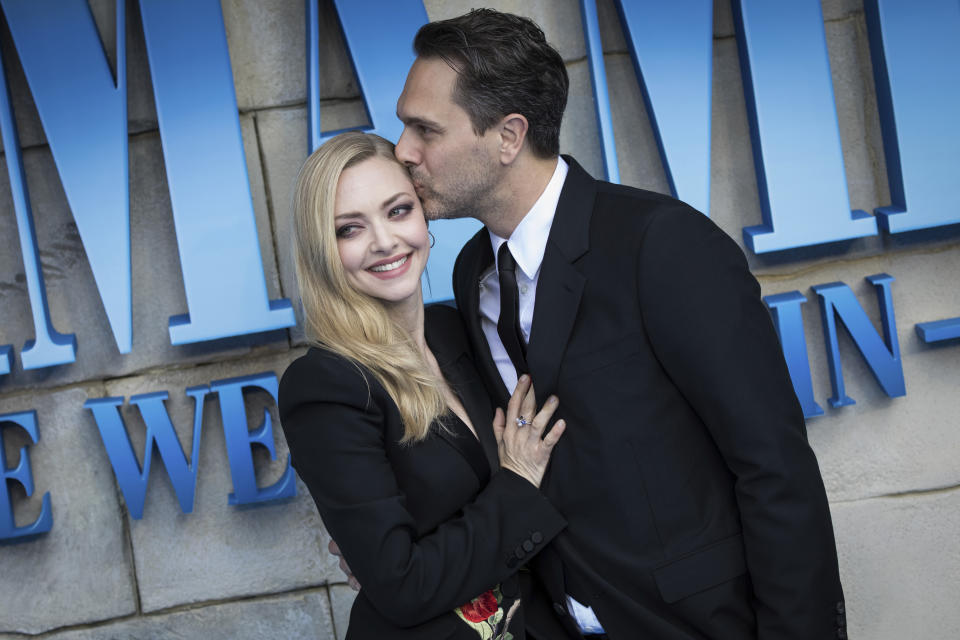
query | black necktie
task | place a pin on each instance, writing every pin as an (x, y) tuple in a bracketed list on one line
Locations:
[(508, 324)]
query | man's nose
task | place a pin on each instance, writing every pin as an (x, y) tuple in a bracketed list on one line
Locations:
[(405, 150)]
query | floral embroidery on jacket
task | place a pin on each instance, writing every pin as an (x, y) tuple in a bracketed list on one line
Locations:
[(485, 614)]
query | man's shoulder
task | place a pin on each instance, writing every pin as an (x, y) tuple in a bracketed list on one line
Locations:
[(623, 204), (634, 200)]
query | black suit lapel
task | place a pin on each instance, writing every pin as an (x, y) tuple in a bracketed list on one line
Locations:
[(560, 285), (467, 385)]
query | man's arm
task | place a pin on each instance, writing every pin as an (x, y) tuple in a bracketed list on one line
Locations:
[(714, 336)]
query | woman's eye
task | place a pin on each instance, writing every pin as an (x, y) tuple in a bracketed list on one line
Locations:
[(400, 210), (347, 230)]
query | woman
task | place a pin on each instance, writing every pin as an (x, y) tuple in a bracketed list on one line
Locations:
[(387, 420)]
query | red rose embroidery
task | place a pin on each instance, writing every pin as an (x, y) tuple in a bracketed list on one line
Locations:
[(480, 608)]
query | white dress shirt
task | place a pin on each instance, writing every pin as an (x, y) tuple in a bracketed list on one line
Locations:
[(527, 244)]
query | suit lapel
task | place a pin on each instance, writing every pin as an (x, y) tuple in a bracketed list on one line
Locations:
[(451, 349), (560, 285), (465, 382)]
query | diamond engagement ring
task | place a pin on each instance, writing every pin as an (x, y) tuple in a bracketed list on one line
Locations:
[(521, 422)]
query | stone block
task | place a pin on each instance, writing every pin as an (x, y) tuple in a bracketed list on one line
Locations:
[(29, 128), (637, 152), (341, 600), (611, 29), (723, 19), (579, 132), (840, 9), (723, 26), (899, 561), (141, 108), (559, 19), (81, 571), (304, 615), (857, 115), (158, 292), (883, 445), (268, 53), (219, 551), (261, 209)]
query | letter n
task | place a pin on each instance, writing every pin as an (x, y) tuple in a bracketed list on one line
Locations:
[(882, 354)]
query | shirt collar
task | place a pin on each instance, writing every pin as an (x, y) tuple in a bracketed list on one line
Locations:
[(528, 242)]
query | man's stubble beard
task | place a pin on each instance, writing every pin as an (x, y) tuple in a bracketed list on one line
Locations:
[(475, 199)]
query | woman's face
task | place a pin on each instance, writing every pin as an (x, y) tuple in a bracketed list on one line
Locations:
[(381, 232)]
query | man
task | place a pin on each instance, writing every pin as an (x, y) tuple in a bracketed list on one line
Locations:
[(695, 505)]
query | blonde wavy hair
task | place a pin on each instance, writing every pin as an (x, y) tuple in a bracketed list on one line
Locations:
[(338, 317)]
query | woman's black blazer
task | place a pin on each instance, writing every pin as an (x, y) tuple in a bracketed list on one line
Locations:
[(425, 527)]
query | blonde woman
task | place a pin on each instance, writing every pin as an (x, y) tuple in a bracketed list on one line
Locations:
[(388, 422)]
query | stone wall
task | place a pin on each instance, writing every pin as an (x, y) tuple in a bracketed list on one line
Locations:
[(889, 464)]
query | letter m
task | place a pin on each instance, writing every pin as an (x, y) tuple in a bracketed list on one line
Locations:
[(83, 110)]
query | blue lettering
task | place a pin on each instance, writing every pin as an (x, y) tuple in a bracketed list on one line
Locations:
[(23, 475), (672, 48), (914, 48), (601, 96), (939, 331), (239, 440), (382, 54), (6, 353), (209, 186), (785, 309), (48, 348), (210, 194), (793, 126), (882, 355), (160, 432)]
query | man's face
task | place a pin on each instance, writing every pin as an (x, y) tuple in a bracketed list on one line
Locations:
[(454, 171)]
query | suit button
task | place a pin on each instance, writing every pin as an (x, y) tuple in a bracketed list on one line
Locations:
[(560, 609), (528, 546), (841, 620), (519, 552), (537, 537), (511, 562), (841, 608)]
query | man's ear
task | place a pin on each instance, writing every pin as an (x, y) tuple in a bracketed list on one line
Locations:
[(513, 133)]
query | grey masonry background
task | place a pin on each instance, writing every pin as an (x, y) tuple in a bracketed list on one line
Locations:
[(890, 465)]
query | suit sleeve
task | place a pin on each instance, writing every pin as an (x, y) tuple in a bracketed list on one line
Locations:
[(336, 436), (712, 333)]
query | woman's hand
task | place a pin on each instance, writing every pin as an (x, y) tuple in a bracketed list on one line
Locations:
[(522, 449)]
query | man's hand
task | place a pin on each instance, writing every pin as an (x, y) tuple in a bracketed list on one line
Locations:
[(335, 550)]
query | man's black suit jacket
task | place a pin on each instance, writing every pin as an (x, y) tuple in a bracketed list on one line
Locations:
[(425, 527), (695, 506)]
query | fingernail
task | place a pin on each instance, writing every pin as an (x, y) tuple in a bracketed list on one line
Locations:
[(524, 378), (552, 400)]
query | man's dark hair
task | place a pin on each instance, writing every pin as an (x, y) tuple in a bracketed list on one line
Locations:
[(504, 65)]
